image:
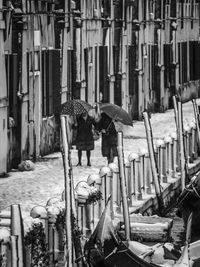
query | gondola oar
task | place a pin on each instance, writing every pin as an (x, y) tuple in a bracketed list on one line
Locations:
[(123, 185), (153, 162)]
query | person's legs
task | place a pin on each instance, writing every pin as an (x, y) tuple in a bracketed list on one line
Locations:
[(79, 157), (88, 157)]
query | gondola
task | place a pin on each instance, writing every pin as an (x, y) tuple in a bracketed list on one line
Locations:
[(105, 248)]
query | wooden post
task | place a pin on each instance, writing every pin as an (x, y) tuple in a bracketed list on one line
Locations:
[(196, 116), (3, 99), (181, 145), (175, 100), (116, 194), (72, 240), (147, 174), (123, 185), (134, 176), (154, 166), (68, 225), (175, 111), (14, 250), (194, 142), (17, 230), (175, 152)]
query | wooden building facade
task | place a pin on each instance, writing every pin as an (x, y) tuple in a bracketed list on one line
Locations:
[(134, 53)]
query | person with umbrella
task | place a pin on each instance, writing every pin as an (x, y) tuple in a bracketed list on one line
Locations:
[(108, 113), (83, 125), (109, 137), (84, 136)]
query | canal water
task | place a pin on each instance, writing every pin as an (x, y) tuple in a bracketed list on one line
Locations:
[(178, 233)]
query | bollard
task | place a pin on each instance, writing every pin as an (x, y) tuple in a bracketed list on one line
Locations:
[(156, 153), (176, 160), (53, 242), (193, 141), (141, 170), (95, 180), (187, 142), (172, 162), (83, 215), (14, 250), (169, 156), (84, 210), (161, 160), (41, 213), (127, 176), (190, 159), (106, 184), (166, 141), (148, 178), (18, 230), (116, 191), (52, 201), (135, 180)]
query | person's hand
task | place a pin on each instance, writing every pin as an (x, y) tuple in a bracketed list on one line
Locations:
[(103, 131)]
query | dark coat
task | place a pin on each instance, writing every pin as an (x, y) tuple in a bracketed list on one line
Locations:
[(84, 136), (109, 139)]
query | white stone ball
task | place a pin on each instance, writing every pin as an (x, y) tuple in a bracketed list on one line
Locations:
[(104, 171), (38, 212)]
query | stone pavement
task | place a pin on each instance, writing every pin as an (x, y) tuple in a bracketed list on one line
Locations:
[(47, 180)]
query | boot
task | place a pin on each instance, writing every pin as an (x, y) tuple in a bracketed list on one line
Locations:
[(88, 158), (79, 158)]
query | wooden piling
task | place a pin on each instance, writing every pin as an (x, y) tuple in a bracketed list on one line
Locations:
[(123, 185)]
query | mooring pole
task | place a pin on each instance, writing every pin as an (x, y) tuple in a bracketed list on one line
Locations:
[(68, 225), (181, 145), (123, 185), (196, 116), (153, 162)]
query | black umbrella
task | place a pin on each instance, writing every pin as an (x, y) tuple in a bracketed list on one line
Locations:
[(75, 107), (116, 113)]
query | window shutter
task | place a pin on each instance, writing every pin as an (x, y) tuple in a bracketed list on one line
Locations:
[(86, 52), (191, 55), (44, 87), (56, 80), (103, 72), (184, 61), (51, 84), (12, 82), (133, 82)]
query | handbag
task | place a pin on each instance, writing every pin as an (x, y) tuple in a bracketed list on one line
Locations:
[(95, 133)]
